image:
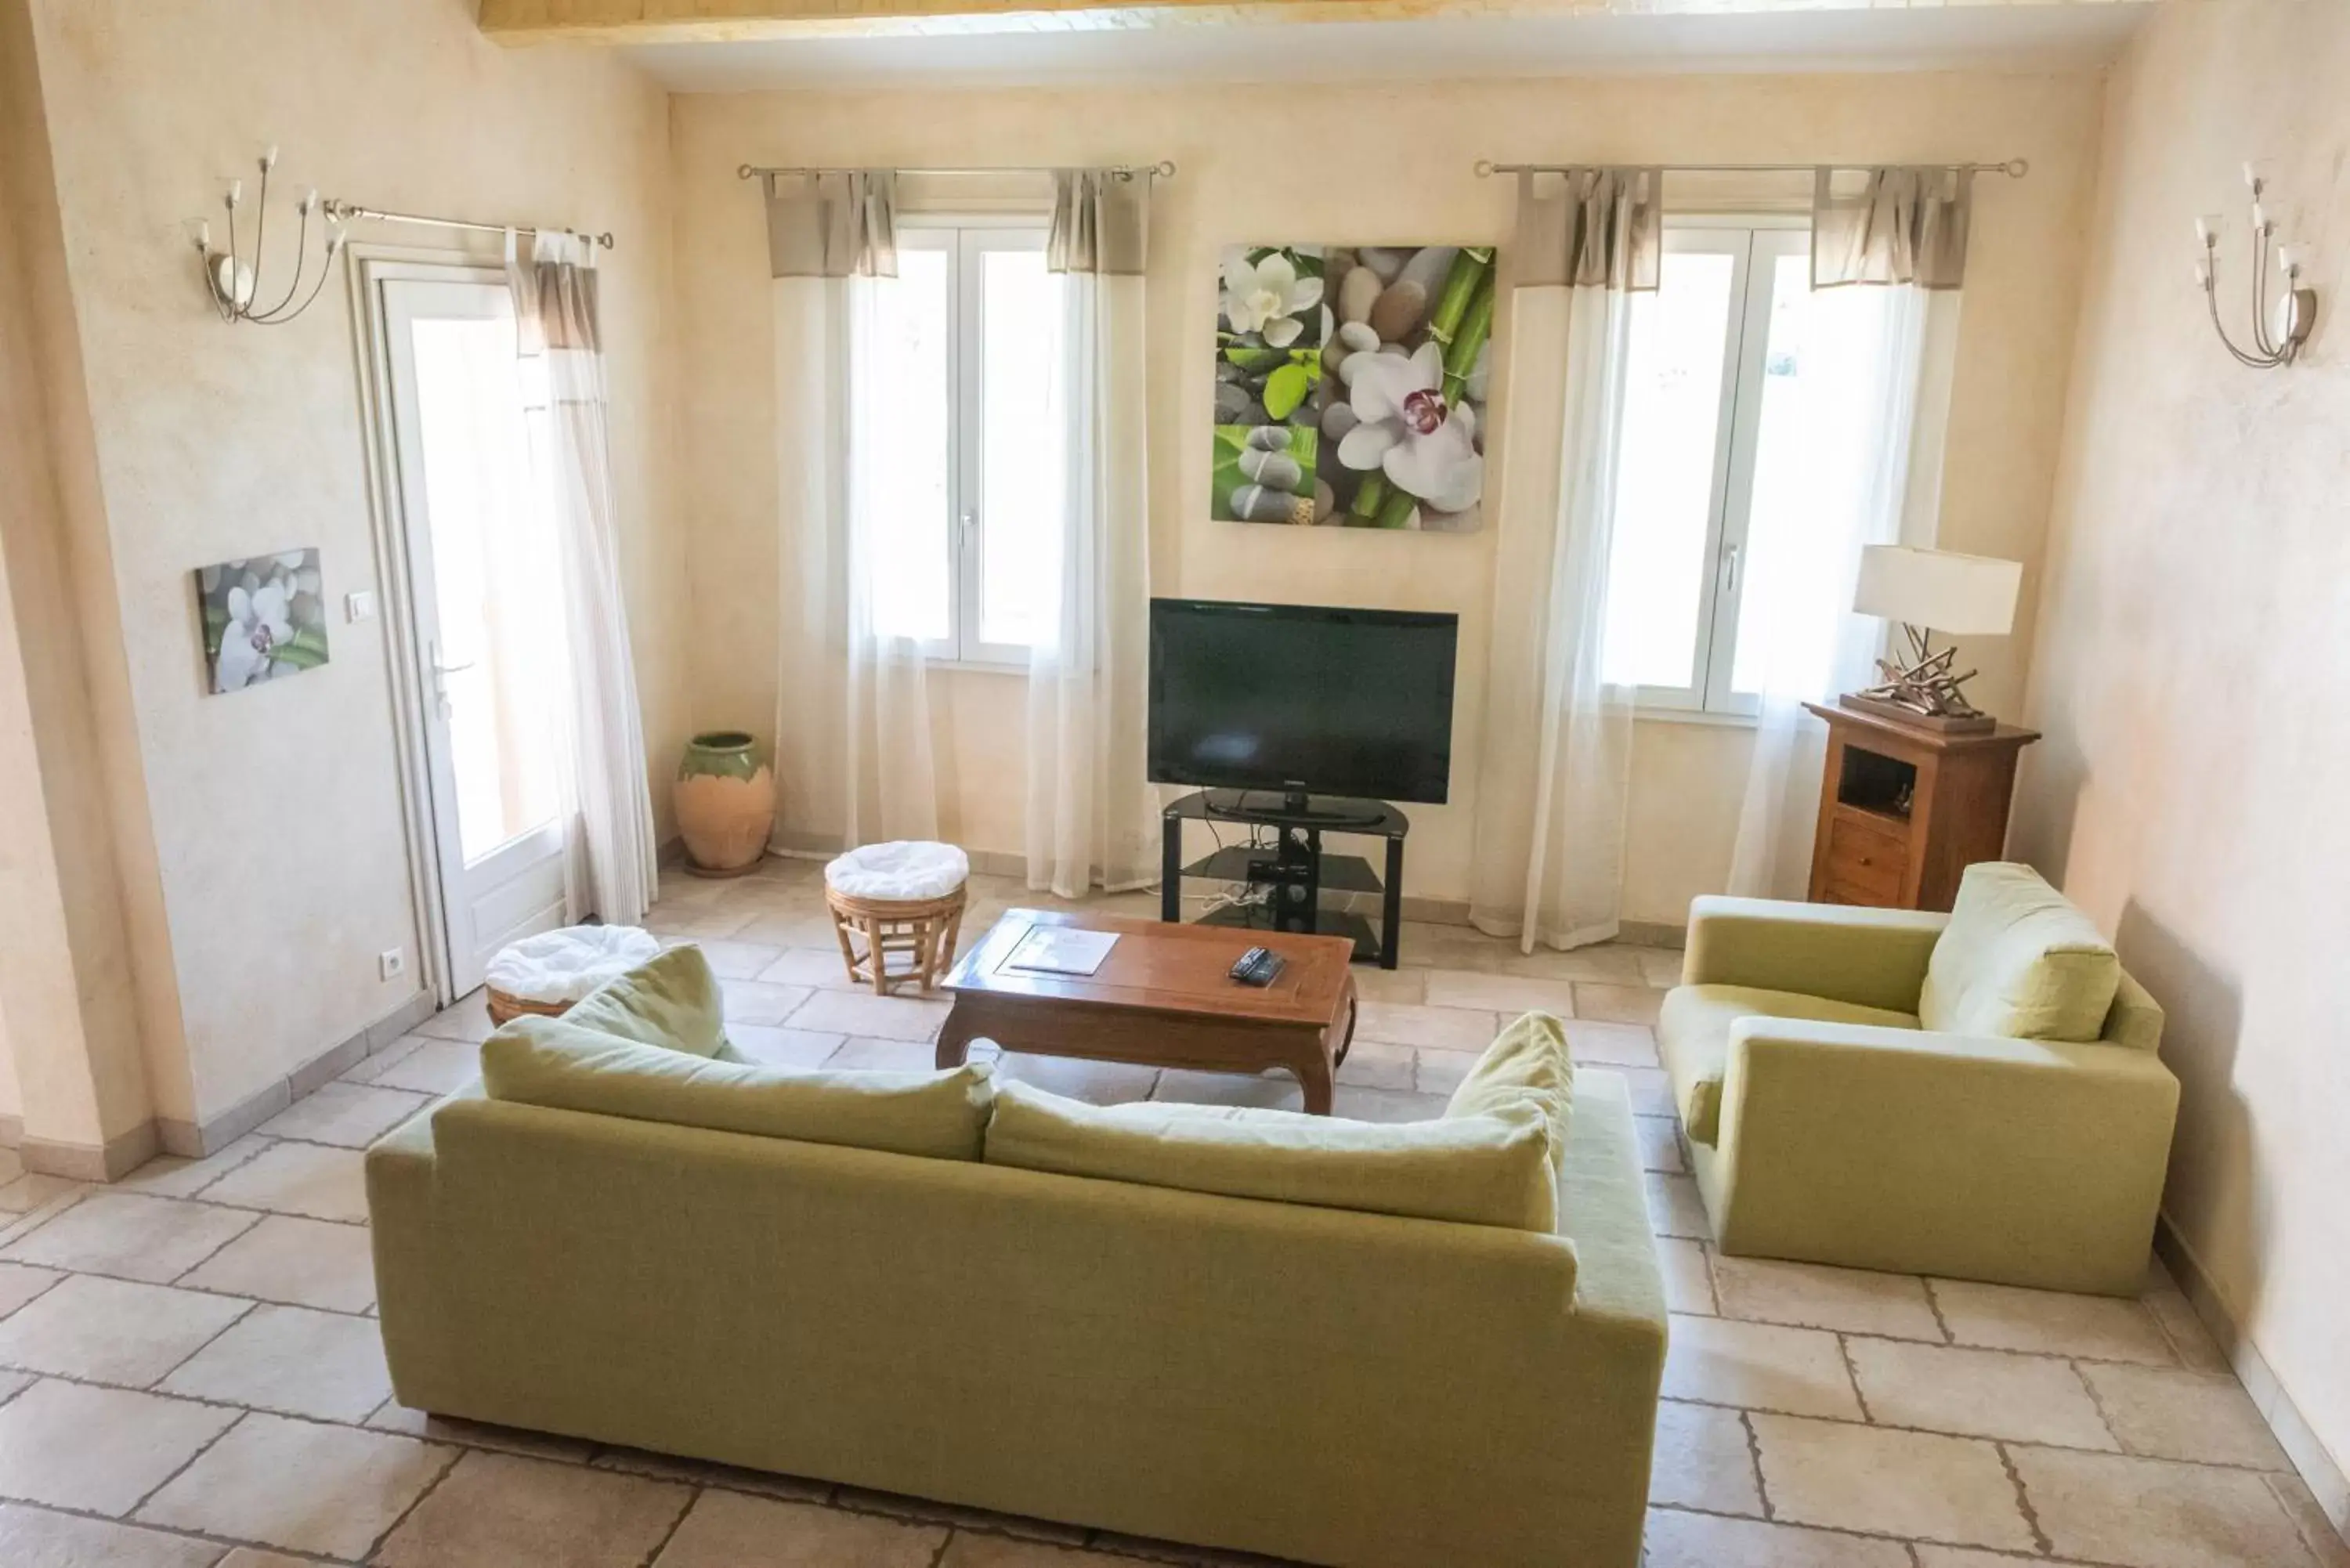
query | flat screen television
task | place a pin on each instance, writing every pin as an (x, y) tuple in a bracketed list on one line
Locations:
[(1303, 699)]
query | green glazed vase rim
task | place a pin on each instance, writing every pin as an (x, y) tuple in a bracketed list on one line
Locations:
[(722, 740)]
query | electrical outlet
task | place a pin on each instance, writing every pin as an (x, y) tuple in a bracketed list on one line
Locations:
[(360, 606), (391, 963)]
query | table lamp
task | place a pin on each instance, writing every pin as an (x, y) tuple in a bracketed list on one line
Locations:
[(1929, 591)]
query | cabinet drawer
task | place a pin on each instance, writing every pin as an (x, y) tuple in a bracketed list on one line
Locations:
[(1870, 862)]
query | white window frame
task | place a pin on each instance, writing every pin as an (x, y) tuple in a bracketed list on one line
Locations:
[(964, 239), (1754, 243)]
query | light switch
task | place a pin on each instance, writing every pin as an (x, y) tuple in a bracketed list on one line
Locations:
[(360, 606)]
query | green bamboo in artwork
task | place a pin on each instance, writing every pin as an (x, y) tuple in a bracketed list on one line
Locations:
[(1469, 269), (1369, 498), (1469, 341)]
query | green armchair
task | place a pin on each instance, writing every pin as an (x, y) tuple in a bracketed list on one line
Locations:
[(1827, 1123)]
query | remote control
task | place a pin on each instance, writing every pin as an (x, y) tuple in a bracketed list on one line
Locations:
[(1258, 966)]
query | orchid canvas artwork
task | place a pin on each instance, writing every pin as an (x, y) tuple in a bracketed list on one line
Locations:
[(263, 618), (1350, 385)]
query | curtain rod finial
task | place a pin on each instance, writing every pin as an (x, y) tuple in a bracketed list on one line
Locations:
[(743, 171), (2017, 168), (1482, 168)]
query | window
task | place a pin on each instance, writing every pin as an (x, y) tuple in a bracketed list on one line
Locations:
[(1714, 458), (961, 348)]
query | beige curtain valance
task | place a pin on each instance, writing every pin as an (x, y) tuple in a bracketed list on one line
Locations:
[(1101, 222), (1902, 226), (838, 223), (1586, 226)]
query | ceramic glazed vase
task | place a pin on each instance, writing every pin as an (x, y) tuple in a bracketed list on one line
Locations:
[(725, 799)]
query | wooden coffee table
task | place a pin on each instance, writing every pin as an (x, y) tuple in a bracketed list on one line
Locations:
[(1162, 998)]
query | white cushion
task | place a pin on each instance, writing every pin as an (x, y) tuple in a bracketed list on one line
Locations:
[(566, 965), (905, 872)]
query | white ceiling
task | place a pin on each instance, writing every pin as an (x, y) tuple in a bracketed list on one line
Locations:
[(2034, 37)]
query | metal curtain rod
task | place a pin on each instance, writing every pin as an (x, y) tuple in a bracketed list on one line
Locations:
[(345, 211), (1164, 169), (2014, 168)]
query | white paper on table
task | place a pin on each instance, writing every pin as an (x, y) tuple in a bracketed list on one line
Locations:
[(1058, 949)]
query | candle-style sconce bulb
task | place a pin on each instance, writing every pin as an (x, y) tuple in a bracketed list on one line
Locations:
[(233, 275)]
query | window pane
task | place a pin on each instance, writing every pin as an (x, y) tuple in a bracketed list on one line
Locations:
[(1020, 450), (1794, 453), (910, 402), (1657, 575), (500, 624)]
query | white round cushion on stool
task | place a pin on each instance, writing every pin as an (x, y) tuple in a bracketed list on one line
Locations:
[(906, 872), (566, 965)]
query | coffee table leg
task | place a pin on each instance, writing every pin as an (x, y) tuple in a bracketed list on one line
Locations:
[(1347, 1039), (1313, 1070), (954, 1039)]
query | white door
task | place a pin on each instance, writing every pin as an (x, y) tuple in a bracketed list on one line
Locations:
[(476, 535)]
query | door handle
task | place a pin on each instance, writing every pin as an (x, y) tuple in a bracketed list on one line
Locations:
[(1727, 581), (441, 673)]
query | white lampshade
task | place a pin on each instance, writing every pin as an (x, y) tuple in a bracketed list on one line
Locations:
[(1939, 589)]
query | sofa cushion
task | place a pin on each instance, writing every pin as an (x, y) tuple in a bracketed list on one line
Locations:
[(2017, 960), (673, 1001), (554, 1061), (1527, 1064), (1493, 1169), (1693, 1034)]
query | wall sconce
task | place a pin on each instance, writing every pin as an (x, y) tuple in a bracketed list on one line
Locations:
[(2280, 329), (232, 276)]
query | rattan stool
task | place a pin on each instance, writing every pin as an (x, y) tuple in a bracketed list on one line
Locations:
[(544, 975), (903, 902)]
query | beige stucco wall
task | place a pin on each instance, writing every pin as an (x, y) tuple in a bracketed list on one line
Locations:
[(275, 812), (85, 1030), (1305, 162), (2194, 662)]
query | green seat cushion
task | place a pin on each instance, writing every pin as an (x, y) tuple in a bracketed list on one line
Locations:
[(673, 1001), (1527, 1064), (1693, 1035), (1493, 1169), (557, 1062), (2018, 960)]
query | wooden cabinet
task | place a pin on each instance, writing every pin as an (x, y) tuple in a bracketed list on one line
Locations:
[(1904, 809)]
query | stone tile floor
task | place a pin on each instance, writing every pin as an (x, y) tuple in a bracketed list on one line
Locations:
[(190, 1375)]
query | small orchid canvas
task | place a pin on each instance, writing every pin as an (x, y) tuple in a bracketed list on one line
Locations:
[(1351, 385), (264, 616)]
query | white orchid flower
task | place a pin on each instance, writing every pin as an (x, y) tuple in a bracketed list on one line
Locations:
[(1268, 297), (258, 625), (1425, 446)]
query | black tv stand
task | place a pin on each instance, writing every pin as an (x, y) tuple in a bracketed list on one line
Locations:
[(1293, 869)]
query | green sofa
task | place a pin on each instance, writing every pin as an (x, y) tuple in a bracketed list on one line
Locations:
[(1314, 1383), (1826, 1123)]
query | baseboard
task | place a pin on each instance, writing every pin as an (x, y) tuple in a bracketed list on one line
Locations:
[(11, 1131), (1652, 934), (194, 1140), (998, 863), (2301, 1444), (671, 853), (117, 1158)]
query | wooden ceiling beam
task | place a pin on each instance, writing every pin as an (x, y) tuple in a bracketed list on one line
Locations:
[(705, 21)]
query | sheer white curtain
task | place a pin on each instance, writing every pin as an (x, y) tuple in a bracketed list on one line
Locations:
[(604, 784), (1888, 263), (852, 709), (1554, 778), (1090, 813)]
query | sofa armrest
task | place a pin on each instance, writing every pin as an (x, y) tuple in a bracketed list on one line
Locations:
[(2039, 1162), (401, 1169), (1870, 957)]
